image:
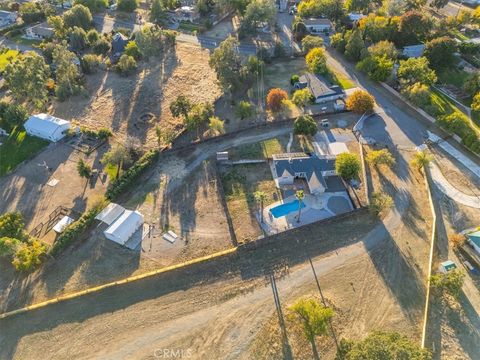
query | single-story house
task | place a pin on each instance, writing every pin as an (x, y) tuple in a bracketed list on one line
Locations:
[(119, 42), (318, 25), (124, 227), (474, 240), (47, 127), (319, 89), (40, 31), (186, 13), (7, 18), (413, 51), (314, 169)]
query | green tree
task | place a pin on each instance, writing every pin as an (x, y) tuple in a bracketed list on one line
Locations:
[(101, 47), (378, 68), (126, 65), (158, 12), (393, 7), (450, 283), (376, 28), (131, 49), (92, 37), (355, 46), (84, 170), (299, 195), (258, 12), (305, 125), (360, 102), (415, 70), (117, 156), (357, 5), (225, 60), (310, 42), (347, 165), (414, 27), (15, 114), (181, 106), (244, 110), (79, 16), (198, 115), (35, 11), (59, 28), (316, 61), (300, 31), (93, 5), (383, 48), (90, 63), (67, 74), (418, 94), (260, 197), (78, 39), (216, 126), (152, 40), (382, 345), (27, 77), (472, 85), (314, 319), (440, 52), (11, 225), (302, 97), (421, 159), (8, 247), (380, 157), (127, 5)]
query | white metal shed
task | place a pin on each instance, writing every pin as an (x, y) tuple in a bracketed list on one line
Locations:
[(124, 227), (47, 127)]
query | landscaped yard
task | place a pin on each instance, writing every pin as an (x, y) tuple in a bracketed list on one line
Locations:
[(453, 76), (18, 147), (7, 57), (239, 184)]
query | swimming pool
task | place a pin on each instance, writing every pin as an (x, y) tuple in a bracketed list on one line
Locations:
[(285, 209)]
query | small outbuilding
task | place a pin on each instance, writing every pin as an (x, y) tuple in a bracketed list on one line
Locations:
[(474, 240), (318, 25), (447, 266), (47, 127), (111, 213), (62, 224), (119, 42), (124, 227), (413, 51)]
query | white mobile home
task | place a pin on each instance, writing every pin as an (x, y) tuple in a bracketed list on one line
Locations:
[(47, 127)]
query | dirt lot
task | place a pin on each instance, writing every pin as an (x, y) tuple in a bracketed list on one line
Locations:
[(124, 104)]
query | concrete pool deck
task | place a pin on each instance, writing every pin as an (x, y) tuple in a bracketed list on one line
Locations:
[(317, 207)]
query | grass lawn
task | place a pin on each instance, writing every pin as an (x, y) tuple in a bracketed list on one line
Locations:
[(267, 148), (21, 41), (444, 104), (453, 76), (7, 57), (459, 35), (340, 79), (18, 147), (278, 74)]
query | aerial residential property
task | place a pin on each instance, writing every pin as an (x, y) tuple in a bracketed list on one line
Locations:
[(254, 179)]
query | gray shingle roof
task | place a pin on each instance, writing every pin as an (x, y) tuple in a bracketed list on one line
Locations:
[(317, 87), (317, 22)]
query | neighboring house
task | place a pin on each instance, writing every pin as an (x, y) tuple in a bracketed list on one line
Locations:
[(474, 240), (318, 25), (319, 89), (314, 169), (413, 51), (40, 31), (354, 16), (119, 42), (47, 127), (187, 13), (7, 18)]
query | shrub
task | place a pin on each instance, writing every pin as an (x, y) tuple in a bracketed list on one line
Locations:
[(132, 50), (379, 157), (101, 47), (302, 97), (294, 79), (244, 110), (128, 177), (305, 125), (126, 65), (92, 37), (8, 246), (450, 283), (347, 166), (78, 38), (29, 256), (380, 202), (90, 63), (418, 94), (12, 225), (310, 42), (74, 230)]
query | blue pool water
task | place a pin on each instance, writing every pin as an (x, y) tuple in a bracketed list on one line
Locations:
[(285, 209)]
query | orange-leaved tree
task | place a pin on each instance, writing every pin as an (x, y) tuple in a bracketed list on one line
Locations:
[(275, 99)]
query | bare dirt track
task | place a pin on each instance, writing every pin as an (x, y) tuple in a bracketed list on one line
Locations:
[(121, 103)]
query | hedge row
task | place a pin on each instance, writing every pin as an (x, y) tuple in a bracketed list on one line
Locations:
[(76, 229), (459, 124), (124, 181)]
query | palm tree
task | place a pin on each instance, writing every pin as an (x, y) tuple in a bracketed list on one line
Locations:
[(314, 318), (421, 159), (261, 197), (300, 195)]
